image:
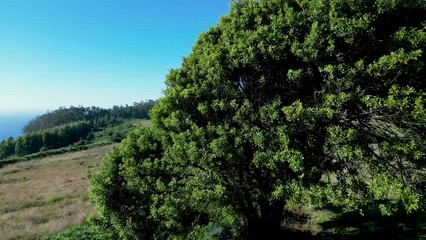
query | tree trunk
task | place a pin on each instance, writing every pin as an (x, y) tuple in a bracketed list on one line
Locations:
[(264, 229), (267, 225)]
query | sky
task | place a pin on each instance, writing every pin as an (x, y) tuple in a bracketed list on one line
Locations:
[(101, 53)]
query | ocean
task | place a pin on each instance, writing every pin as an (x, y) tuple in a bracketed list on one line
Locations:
[(12, 124)]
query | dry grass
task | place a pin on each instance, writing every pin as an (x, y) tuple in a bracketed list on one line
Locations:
[(44, 196), (140, 122)]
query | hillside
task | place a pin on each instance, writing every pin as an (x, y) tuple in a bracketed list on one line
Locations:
[(45, 196), (74, 128)]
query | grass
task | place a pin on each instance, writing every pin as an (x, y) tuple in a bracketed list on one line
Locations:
[(374, 226), (116, 133), (140, 122), (307, 222), (45, 196), (72, 148)]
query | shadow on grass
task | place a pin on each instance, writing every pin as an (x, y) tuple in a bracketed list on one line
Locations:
[(354, 226)]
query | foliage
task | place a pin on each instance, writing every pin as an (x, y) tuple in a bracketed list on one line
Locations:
[(52, 138), (7, 148), (65, 138), (80, 233), (99, 117), (112, 133), (284, 101), (76, 233)]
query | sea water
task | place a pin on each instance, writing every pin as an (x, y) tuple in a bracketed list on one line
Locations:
[(12, 124)]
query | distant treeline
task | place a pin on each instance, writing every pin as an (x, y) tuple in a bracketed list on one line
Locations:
[(74, 125), (96, 115), (52, 138)]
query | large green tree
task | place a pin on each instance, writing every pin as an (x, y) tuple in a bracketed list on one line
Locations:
[(282, 102)]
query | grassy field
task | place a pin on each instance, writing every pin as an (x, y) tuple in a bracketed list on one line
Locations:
[(44, 196)]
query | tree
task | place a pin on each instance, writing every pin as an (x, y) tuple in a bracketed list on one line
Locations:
[(7, 148), (281, 102), (98, 116)]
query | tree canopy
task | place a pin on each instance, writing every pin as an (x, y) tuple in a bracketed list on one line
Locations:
[(283, 102), (96, 115)]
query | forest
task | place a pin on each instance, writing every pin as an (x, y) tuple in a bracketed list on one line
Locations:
[(74, 126)]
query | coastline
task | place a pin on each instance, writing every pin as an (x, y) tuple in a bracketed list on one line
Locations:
[(12, 123)]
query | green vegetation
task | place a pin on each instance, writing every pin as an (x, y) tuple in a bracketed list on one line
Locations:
[(116, 133), (96, 115), (68, 129), (75, 233), (81, 233), (283, 103)]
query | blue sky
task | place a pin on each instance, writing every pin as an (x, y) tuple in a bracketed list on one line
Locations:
[(94, 52)]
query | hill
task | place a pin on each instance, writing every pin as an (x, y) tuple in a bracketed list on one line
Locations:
[(43, 197), (95, 115), (74, 128)]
